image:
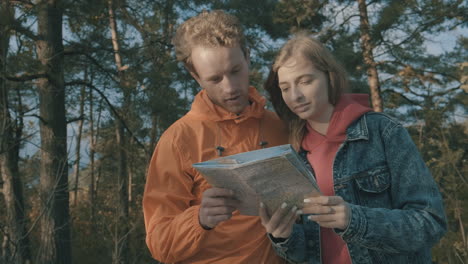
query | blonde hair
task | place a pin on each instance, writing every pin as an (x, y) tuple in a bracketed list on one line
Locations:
[(208, 29), (305, 46)]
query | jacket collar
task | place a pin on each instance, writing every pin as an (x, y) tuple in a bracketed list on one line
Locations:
[(358, 130), (204, 108)]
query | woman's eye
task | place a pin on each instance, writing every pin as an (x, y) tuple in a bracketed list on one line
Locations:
[(215, 80)]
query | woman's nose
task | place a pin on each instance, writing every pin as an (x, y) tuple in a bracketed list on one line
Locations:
[(297, 94)]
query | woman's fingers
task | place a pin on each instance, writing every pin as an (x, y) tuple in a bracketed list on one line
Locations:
[(327, 211), (286, 228), (281, 222), (320, 209), (264, 217), (276, 219), (324, 200)]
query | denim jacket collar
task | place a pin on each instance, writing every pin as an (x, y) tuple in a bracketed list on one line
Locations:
[(358, 130)]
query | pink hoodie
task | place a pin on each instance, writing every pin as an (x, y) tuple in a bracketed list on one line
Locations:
[(321, 154)]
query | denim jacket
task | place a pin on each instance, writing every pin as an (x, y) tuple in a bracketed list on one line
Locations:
[(397, 212)]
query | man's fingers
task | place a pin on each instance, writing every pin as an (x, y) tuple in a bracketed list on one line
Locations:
[(220, 210), (211, 216), (218, 201), (214, 220), (218, 192), (217, 205)]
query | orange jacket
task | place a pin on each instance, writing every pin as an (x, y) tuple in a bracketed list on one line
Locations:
[(173, 189)]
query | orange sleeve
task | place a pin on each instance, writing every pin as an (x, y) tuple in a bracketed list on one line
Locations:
[(173, 232)]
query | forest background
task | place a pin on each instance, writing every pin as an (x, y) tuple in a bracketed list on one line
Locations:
[(87, 88)]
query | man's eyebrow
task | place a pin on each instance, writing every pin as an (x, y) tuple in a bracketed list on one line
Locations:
[(216, 76)]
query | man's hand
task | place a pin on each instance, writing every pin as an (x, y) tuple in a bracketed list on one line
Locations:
[(217, 205), (281, 223), (328, 211)]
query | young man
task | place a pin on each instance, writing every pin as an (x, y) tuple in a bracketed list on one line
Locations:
[(186, 220)]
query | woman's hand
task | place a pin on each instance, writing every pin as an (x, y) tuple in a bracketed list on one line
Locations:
[(281, 223), (328, 211)]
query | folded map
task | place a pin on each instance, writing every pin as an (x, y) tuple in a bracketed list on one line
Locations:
[(271, 175)]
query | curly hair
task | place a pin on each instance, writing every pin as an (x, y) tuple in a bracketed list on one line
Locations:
[(307, 47), (208, 29)]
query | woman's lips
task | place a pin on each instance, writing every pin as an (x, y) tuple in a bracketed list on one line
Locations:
[(301, 108)]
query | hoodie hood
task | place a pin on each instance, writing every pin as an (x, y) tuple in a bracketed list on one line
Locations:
[(204, 108), (350, 107)]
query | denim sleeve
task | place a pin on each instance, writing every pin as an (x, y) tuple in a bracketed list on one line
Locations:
[(416, 219), (294, 248)]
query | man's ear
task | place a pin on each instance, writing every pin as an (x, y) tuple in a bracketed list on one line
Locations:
[(195, 76), (192, 72)]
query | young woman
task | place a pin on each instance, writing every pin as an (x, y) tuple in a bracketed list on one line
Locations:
[(380, 203)]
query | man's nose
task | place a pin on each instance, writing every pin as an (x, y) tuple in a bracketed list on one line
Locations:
[(229, 85)]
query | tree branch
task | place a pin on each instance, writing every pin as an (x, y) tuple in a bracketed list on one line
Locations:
[(38, 117), (110, 73), (79, 118), (27, 77), (402, 96), (17, 27), (27, 4), (144, 31), (117, 115)]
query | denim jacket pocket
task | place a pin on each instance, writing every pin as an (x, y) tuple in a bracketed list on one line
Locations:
[(373, 187)]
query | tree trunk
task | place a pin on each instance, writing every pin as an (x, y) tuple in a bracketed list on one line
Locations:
[(130, 179), (91, 193), (93, 142), (54, 240), (78, 139), (16, 249), (121, 255), (121, 250), (367, 52)]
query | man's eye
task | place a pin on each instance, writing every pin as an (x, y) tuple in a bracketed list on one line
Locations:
[(305, 82), (284, 89)]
